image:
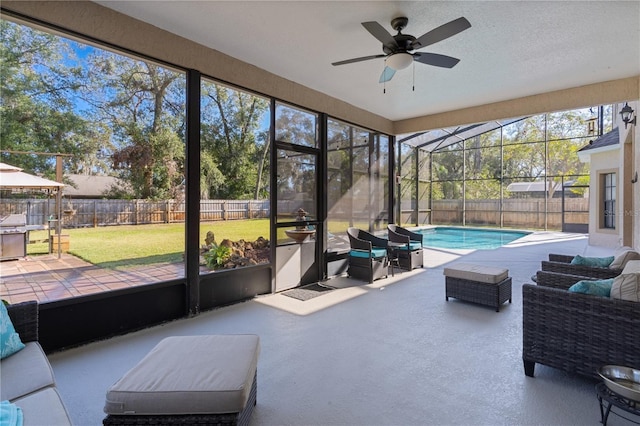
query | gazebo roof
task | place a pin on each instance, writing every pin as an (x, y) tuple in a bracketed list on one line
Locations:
[(12, 177)]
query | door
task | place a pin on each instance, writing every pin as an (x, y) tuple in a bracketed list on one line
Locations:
[(296, 192), (297, 225)]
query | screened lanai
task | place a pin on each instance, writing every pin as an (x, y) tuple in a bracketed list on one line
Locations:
[(350, 165), (521, 172)]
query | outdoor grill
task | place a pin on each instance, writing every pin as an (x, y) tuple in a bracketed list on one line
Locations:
[(13, 236)]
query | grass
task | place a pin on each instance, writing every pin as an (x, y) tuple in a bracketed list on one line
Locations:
[(132, 245)]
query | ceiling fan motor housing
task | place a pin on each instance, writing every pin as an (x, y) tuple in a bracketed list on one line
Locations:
[(403, 44)]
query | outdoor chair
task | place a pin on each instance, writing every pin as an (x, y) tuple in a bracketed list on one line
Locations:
[(561, 263), (368, 258), (410, 255), (576, 332)]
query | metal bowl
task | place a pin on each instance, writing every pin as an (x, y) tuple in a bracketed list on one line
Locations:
[(624, 381)]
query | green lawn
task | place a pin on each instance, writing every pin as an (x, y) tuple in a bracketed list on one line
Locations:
[(129, 245)]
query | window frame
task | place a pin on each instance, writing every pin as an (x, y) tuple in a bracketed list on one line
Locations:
[(608, 197)]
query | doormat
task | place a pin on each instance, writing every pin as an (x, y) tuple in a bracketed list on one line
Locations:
[(307, 292)]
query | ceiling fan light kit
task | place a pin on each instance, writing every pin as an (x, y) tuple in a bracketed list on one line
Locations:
[(399, 49), (399, 61)]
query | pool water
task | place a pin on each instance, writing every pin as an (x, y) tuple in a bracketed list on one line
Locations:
[(461, 238)]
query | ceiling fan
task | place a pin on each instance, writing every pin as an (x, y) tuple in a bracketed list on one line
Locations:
[(399, 49)]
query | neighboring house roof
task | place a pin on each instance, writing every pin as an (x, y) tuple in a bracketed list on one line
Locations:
[(607, 142), (537, 186), (90, 186)]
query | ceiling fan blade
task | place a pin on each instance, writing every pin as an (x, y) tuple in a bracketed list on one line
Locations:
[(380, 33), (363, 58), (387, 74), (436, 59), (442, 32)]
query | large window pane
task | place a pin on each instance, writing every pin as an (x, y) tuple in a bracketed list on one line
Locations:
[(234, 177), (296, 185), (357, 184), (296, 126), (117, 123)]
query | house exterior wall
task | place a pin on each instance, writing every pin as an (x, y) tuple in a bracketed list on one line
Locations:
[(602, 163), (625, 162), (630, 159)]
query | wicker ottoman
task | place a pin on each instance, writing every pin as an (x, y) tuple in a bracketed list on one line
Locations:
[(189, 380), (485, 285)]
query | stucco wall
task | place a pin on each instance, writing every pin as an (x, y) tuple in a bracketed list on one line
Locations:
[(630, 159), (603, 162), (624, 160)]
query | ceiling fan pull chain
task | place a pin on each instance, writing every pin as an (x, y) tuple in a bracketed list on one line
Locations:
[(414, 77), (384, 83)]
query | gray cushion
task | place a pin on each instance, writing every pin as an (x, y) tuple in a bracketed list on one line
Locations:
[(478, 273), (621, 259), (44, 407), (626, 286), (25, 372), (189, 375)]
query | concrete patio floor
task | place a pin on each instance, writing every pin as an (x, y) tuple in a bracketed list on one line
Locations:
[(389, 353)]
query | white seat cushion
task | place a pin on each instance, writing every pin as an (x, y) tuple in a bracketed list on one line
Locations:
[(44, 407), (478, 273), (25, 372), (189, 375)]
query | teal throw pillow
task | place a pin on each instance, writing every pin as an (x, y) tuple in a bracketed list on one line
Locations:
[(593, 287), (10, 342), (596, 262), (10, 414)]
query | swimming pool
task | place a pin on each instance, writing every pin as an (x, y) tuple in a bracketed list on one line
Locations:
[(462, 238)]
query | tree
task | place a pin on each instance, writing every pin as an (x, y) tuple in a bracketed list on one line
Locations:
[(526, 157), (38, 84), (233, 143), (144, 105)]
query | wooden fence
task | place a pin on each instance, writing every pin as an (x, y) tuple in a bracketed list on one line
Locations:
[(87, 213), (517, 213)]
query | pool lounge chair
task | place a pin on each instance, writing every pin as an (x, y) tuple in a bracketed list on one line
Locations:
[(368, 258), (411, 255)]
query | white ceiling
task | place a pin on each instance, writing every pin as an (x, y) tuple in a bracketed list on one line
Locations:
[(513, 49)]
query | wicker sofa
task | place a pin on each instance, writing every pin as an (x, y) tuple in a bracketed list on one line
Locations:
[(26, 376), (575, 332), (562, 263)]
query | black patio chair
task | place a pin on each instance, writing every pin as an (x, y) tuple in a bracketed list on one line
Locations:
[(368, 255), (410, 255)]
